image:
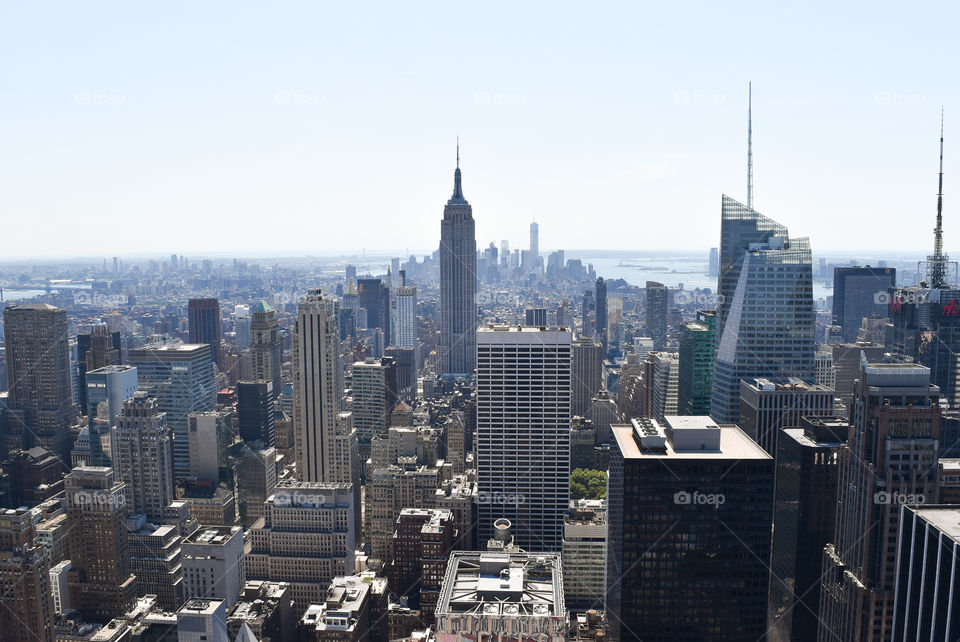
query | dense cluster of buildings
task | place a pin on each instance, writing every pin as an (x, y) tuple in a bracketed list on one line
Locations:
[(484, 445)]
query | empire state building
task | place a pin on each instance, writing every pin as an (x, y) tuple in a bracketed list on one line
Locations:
[(458, 283)]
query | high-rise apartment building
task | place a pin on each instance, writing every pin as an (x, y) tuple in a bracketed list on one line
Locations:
[(766, 318), (102, 585), (697, 350), (665, 396), (458, 283), (266, 355), (155, 559), (656, 313), (587, 375), (40, 401), (326, 445), (180, 376), (204, 324), (523, 431), (405, 317), (689, 508), (241, 325), (422, 543), (27, 614), (374, 390), (585, 553), (209, 435), (143, 456), (307, 536), (889, 460), (859, 293)]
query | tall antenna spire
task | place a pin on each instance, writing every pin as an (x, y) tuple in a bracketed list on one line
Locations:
[(750, 145), (457, 187), (938, 262)]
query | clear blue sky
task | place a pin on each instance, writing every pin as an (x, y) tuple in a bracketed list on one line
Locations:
[(132, 127)]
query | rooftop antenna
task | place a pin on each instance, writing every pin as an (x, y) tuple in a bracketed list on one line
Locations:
[(938, 262), (750, 145), (458, 150)]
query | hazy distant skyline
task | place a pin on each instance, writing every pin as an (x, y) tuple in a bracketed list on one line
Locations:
[(247, 128)]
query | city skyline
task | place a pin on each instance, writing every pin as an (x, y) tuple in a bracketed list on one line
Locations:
[(141, 136), (239, 411)]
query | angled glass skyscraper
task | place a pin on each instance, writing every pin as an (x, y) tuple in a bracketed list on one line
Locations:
[(740, 226), (458, 283), (766, 321)]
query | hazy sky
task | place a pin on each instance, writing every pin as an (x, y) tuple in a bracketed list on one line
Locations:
[(133, 127)]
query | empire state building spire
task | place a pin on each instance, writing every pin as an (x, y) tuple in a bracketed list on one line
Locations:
[(457, 185)]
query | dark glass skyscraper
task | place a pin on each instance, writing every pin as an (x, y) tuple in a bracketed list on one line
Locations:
[(805, 508), (860, 292), (204, 323), (255, 418), (697, 348), (601, 302), (928, 574), (689, 512), (458, 283), (374, 296), (656, 313)]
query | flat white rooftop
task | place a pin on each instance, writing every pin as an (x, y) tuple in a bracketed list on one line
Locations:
[(734, 444), (944, 518)]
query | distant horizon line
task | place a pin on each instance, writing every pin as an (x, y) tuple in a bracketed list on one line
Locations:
[(387, 254)]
